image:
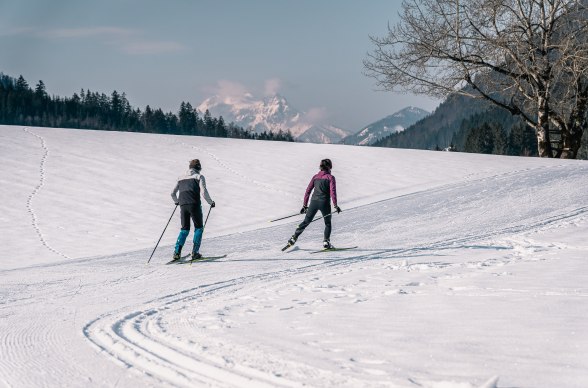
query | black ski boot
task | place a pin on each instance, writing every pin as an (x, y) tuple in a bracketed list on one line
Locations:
[(177, 255), (196, 256), (290, 243), (176, 258), (327, 245)]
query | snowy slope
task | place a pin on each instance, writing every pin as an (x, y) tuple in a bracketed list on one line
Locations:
[(396, 122), (470, 269), (271, 114)]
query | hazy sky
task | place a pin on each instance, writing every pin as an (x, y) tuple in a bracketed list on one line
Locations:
[(164, 52)]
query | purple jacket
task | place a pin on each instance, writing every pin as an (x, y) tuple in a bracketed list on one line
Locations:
[(324, 185)]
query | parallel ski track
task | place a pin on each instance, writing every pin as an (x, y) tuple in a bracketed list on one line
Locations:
[(135, 341), (138, 339)]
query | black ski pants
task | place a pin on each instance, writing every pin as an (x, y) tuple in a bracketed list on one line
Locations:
[(191, 211), (313, 208)]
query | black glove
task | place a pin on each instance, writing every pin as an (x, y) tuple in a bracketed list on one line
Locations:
[(304, 209), (212, 204), (338, 209), (177, 203)]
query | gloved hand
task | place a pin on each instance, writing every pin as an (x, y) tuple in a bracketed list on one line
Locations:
[(304, 209), (177, 203), (338, 209), (212, 204)]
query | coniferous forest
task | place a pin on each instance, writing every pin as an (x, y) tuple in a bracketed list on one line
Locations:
[(20, 104)]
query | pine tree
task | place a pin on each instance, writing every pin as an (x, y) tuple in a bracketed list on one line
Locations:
[(499, 140), (221, 129), (208, 123), (40, 91), (480, 140), (116, 108), (21, 84)]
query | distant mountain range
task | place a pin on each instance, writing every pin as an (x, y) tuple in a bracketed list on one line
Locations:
[(394, 123), (271, 114)]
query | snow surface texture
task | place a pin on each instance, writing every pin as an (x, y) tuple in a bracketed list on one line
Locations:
[(471, 269)]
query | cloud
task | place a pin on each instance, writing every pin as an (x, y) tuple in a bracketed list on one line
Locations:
[(110, 32), (316, 115), (229, 91), (272, 86), (236, 91), (152, 47), (18, 31), (128, 41)]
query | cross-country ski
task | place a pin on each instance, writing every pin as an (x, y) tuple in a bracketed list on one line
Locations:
[(188, 260), (202, 259), (333, 249)]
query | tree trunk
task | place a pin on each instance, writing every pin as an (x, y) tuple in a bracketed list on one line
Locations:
[(572, 135), (572, 140), (542, 129)]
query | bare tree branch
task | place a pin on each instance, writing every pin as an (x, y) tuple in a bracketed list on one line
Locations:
[(529, 57)]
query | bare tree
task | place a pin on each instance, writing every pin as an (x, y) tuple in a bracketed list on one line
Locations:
[(529, 57)]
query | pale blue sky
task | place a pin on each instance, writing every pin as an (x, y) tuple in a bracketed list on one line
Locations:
[(164, 52)]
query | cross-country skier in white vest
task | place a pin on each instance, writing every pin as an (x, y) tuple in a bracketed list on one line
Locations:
[(191, 187)]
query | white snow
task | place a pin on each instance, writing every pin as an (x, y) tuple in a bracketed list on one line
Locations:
[(471, 269)]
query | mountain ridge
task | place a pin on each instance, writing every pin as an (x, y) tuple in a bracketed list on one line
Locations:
[(394, 123)]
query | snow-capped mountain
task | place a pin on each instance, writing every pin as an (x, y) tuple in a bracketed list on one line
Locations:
[(323, 134), (396, 122), (273, 114)]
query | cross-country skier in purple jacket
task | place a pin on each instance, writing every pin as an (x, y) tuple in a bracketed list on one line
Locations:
[(324, 189)]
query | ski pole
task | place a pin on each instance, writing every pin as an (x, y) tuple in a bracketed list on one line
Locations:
[(166, 225), (205, 221), (283, 218), (320, 218), (209, 210)]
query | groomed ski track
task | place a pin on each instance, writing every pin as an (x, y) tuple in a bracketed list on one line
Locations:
[(258, 317)]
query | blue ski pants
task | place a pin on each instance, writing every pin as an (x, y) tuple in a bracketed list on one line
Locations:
[(190, 213)]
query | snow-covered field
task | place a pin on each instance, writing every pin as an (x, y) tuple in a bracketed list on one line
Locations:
[(471, 270)]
